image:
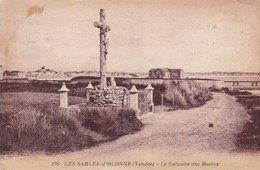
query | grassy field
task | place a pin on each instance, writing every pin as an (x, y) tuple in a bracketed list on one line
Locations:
[(13, 102)]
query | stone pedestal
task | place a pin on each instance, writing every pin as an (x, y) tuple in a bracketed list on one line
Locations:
[(150, 88), (134, 99), (64, 102)]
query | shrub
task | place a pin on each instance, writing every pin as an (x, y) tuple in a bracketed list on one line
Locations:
[(186, 94), (237, 93), (112, 122)]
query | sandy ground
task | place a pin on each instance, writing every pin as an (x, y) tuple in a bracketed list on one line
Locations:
[(170, 140)]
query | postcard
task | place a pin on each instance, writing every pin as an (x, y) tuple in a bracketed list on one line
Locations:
[(133, 84)]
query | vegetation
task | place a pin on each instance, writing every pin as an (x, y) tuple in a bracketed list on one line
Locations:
[(112, 122), (33, 121), (238, 93), (46, 127), (249, 138), (52, 130), (177, 94), (183, 94)]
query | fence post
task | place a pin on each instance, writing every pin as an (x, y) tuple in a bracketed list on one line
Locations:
[(88, 89), (134, 99), (64, 96), (150, 88), (162, 99)]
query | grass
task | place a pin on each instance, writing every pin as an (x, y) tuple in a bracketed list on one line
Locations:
[(33, 126), (46, 128), (185, 94)]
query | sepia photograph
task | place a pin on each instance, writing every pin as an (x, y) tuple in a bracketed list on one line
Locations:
[(129, 84)]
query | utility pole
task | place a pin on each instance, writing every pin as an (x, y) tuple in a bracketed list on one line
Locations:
[(103, 47)]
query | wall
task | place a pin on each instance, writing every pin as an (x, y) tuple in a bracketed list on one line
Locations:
[(113, 96)]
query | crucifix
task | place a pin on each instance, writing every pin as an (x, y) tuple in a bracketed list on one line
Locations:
[(103, 46)]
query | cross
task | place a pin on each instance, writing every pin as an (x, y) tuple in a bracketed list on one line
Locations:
[(103, 46)]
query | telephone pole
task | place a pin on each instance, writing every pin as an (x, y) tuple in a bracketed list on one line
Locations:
[(103, 47)]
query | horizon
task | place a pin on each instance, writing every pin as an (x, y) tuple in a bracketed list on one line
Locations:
[(194, 35)]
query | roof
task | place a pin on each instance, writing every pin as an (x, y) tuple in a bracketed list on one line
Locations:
[(43, 69), (12, 72), (162, 69), (176, 70), (166, 69)]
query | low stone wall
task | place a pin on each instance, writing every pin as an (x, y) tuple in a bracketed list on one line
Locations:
[(112, 96)]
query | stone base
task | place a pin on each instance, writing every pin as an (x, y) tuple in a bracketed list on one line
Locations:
[(111, 96)]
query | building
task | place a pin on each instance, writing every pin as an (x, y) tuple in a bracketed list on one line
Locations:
[(160, 73), (14, 74), (43, 74), (166, 73), (176, 73)]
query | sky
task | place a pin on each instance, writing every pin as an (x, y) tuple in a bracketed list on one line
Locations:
[(195, 35)]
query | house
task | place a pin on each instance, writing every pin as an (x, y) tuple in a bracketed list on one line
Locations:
[(43, 73), (160, 73), (14, 74), (166, 73), (176, 73)]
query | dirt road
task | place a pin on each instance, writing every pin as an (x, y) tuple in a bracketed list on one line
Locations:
[(182, 135)]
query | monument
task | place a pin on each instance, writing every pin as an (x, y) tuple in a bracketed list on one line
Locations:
[(103, 47)]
